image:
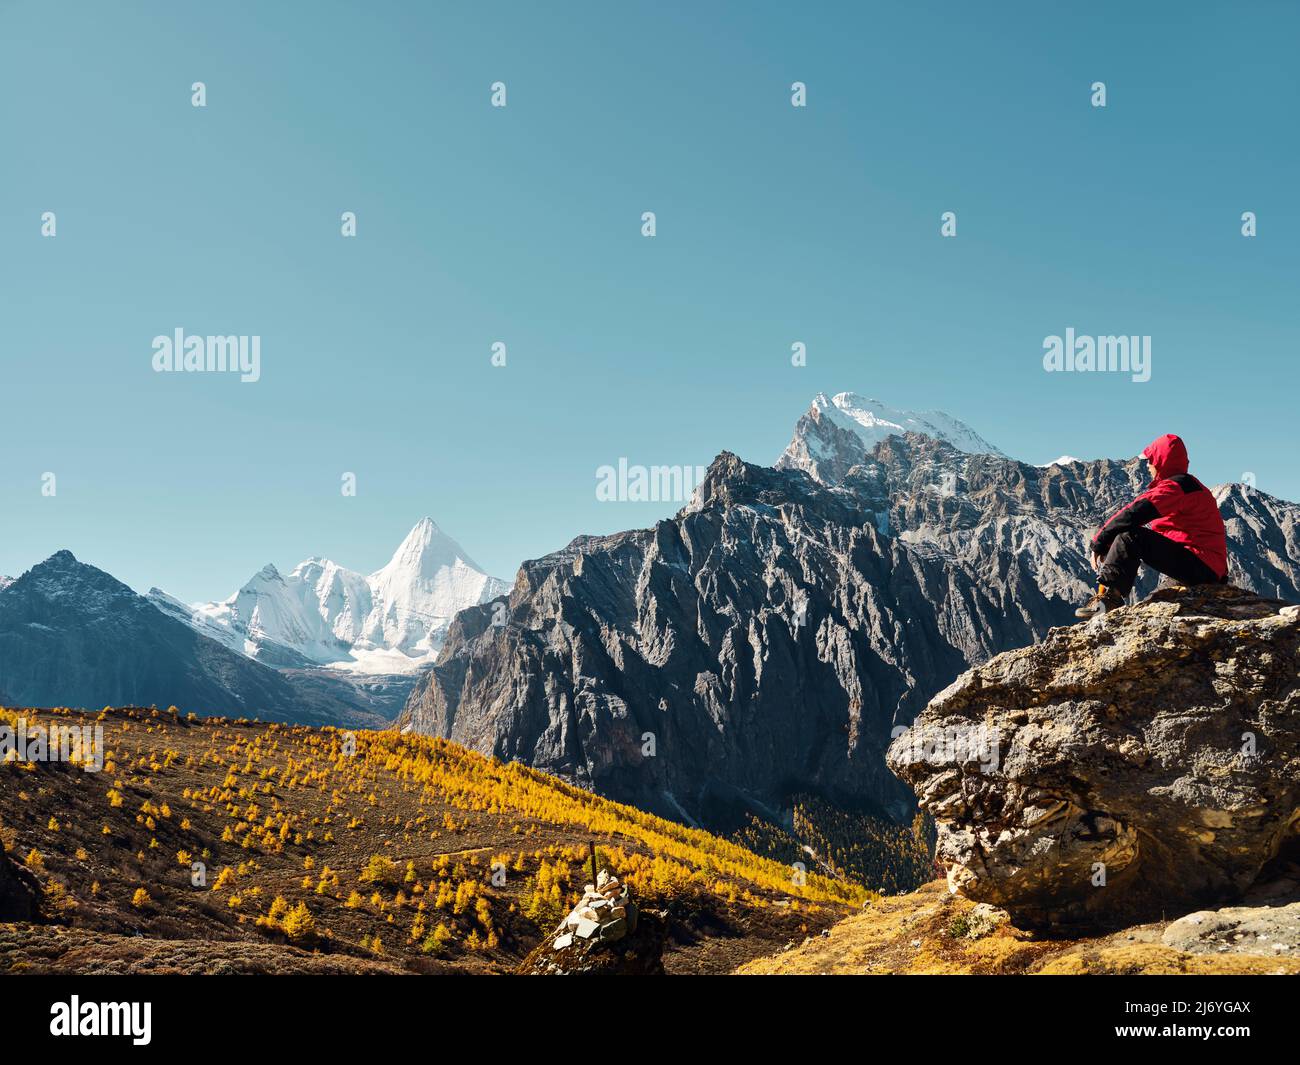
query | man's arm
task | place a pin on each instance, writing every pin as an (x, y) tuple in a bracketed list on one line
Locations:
[(1142, 510)]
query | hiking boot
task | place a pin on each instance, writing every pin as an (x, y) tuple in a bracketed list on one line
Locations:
[(1102, 600)]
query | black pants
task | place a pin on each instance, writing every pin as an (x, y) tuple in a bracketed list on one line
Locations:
[(1130, 549)]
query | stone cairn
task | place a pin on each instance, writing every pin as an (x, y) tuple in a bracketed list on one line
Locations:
[(605, 914)]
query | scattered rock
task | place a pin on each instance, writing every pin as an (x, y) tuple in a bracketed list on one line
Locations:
[(1267, 930), (604, 934), (979, 922)]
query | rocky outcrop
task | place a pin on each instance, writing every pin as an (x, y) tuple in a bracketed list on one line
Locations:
[(639, 953), (1268, 931), (604, 914), (604, 934), (1145, 763)]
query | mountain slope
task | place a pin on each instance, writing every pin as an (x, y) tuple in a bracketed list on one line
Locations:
[(1263, 539), (276, 619), (71, 635), (450, 861)]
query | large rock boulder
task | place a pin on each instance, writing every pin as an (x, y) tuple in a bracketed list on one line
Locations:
[(1145, 763)]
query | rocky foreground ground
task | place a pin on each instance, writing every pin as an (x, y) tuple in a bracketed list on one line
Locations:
[(935, 932)]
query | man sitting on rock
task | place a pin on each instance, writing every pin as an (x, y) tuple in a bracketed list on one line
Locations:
[(1174, 527)]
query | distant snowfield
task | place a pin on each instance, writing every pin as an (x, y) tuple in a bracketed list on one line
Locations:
[(381, 661), (323, 614)]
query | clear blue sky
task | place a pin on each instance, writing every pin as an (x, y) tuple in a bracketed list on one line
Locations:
[(523, 225)]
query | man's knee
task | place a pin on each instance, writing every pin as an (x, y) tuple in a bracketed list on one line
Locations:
[(1126, 541)]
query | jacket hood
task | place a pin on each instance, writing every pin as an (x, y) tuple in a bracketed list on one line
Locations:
[(1168, 454)]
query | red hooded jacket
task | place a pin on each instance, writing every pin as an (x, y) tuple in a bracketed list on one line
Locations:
[(1176, 505)]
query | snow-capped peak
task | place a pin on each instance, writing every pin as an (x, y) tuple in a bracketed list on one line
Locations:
[(425, 551), (392, 621), (839, 432), (872, 421), (428, 579)]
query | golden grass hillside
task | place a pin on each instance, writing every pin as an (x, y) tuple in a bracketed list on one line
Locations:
[(213, 845), (932, 932)]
